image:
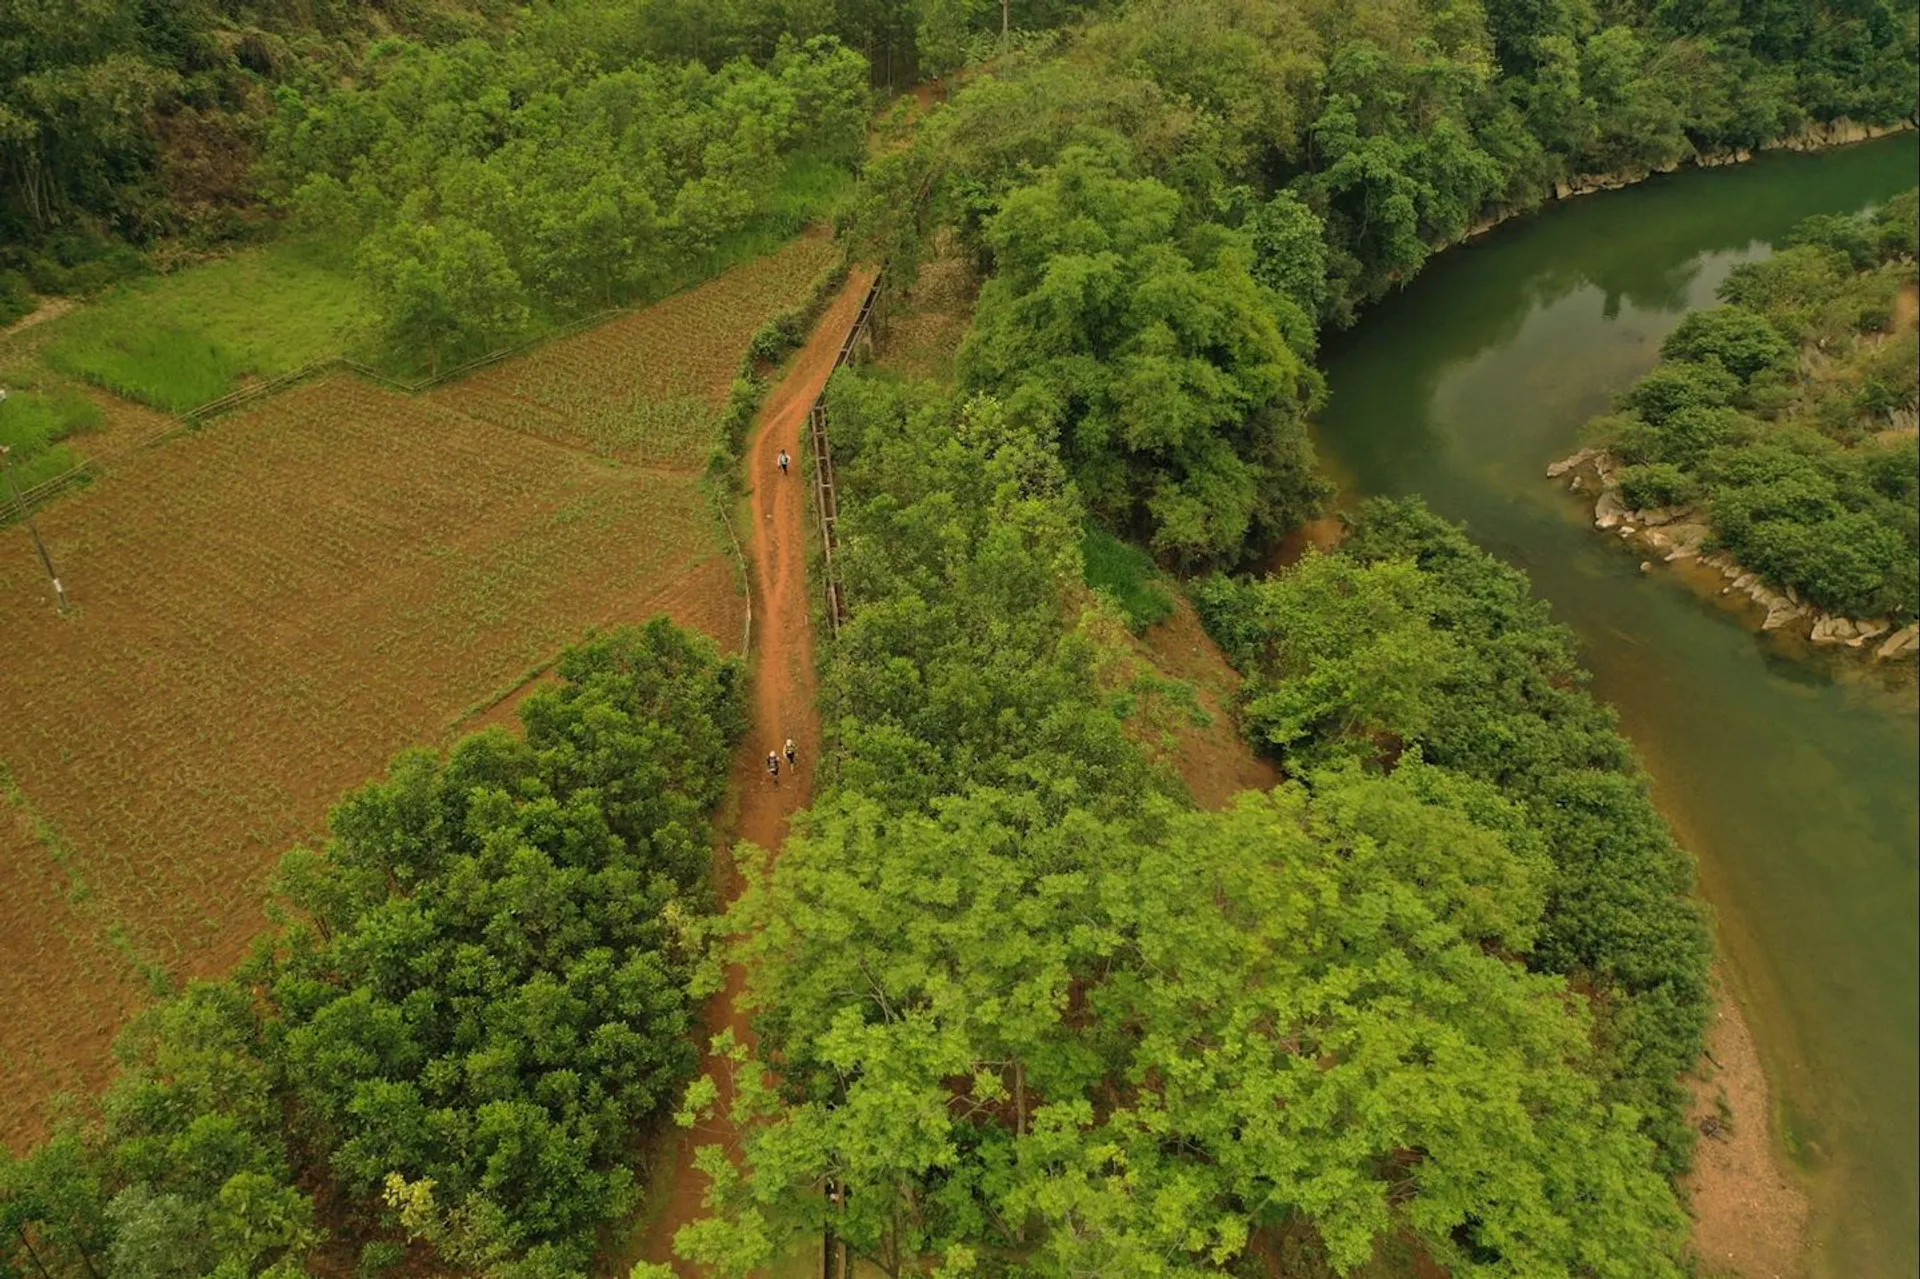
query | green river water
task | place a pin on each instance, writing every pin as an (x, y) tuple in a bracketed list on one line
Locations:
[(1794, 784)]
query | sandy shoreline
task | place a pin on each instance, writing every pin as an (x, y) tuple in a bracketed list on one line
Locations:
[(1751, 1214)]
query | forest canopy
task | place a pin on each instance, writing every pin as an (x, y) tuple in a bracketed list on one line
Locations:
[(1162, 210), (1026, 1002)]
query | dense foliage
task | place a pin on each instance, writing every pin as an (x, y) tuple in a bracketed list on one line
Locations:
[(1788, 415), (481, 1003), (1324, 150), (1163, 366), (1038, 1016), (1413, 643), (478, 181)]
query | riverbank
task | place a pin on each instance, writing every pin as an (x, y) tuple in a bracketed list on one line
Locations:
[(1680, 534), (1792, 782), (1813, 136), (1751, 1215)]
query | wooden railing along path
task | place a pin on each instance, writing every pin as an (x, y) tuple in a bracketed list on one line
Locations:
[(826, 505)]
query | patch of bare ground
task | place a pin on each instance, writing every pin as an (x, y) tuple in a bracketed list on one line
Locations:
[(1201, 741), (49, 309), (921, 332), (1750, 1214)]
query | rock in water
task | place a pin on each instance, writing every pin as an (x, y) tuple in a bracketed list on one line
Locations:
[(1565, 464), (1901, 641)]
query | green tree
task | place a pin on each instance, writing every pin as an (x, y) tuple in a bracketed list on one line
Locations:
[(1743, 342), (1107, 1046), (1178, 401), (441, 290)]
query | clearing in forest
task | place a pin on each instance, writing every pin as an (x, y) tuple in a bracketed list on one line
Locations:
[(268, 608)]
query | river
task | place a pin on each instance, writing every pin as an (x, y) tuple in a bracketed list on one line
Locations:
[(1793, 784)]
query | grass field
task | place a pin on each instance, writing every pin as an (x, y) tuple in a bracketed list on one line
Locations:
[(268, 607), (176, 341), (35, 427)]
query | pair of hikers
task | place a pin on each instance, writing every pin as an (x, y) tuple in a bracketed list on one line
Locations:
[(773, 760)]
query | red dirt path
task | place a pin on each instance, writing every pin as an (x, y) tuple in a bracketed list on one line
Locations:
[(783, 707)]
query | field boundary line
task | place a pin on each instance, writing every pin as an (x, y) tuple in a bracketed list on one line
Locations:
[(33, 499), (746, 574)]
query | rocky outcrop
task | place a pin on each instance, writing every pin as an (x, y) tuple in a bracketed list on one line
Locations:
[(1900, 643), (1812, 137), (1835, 133), (1682, 533)]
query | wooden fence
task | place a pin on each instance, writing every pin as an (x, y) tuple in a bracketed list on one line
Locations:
[(826, 504)]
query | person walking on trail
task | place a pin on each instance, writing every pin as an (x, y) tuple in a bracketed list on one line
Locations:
[(773, 766), (789, 751), (785, 461)]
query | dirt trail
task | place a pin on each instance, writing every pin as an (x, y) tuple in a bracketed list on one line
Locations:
[(783, 701)]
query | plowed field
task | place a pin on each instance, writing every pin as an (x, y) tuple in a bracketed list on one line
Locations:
[(269, 608)]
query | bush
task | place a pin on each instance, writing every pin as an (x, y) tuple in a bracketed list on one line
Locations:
[(1743, 342), (1896, 226), (1673, 387), (1126, 575), (780, 335), (1656, 484), (16, 299), (1839, 233)]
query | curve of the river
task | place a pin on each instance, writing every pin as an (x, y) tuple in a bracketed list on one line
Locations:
[(1797, 790)]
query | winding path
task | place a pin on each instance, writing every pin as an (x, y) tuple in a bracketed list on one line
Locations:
[(783, 704)]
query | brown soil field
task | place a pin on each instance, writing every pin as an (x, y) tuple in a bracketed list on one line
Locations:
[(266, 609), (653, 412), (59, 1037)]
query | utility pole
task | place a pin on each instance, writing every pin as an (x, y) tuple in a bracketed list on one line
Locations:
[(6, 465)]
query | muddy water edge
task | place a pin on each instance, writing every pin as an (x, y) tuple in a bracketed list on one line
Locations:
[(1795, 783)]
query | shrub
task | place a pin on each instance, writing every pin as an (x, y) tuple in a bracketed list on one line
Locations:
[(1656, 484), (1125, 574), (1675, 386), (1840, 233), (780, 335), (1742, 341), (16, 299)]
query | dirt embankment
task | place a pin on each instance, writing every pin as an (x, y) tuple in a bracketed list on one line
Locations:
[(783, 707), (1206, 748)]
